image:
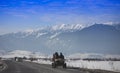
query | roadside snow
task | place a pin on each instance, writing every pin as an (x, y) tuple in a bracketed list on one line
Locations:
[(43, 61), (103, 65)]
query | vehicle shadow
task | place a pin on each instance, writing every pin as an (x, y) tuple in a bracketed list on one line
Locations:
[(72, 68)]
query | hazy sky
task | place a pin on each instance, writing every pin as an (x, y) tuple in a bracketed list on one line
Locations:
[(16, 15)]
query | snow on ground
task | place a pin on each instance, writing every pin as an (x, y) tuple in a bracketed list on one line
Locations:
[(43, 59), (103, 65)]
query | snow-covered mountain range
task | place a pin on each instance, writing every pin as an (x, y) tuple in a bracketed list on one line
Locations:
[(69, 39)]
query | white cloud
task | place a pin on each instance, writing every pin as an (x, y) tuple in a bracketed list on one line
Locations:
[(111, 23), (17, 14)]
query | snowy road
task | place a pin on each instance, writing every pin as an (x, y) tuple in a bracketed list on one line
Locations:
[(28, 67)]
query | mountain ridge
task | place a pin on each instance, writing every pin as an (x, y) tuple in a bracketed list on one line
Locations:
[(96, 38)]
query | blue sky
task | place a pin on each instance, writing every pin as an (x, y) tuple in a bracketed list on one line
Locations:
[(17, 15)]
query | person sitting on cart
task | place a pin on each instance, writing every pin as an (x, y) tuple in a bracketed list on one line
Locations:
[(61, 56), (55, 56)]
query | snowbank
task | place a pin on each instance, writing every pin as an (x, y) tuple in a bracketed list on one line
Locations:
[(43, 61), (103, 65)]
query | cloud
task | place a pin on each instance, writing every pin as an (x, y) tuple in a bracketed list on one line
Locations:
[(71, 18), (32, 11), (72, 1), (17, 14), (63, 18), (111, 23), (21, 15)]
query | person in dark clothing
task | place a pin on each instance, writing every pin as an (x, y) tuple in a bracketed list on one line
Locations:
[(61, 56), (55, 56)]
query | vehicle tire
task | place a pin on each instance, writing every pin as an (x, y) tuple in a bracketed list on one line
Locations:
[(64, 65), (53, 65)]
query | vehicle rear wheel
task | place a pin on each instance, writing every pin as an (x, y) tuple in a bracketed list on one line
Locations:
[(64, 65), (53, 65)]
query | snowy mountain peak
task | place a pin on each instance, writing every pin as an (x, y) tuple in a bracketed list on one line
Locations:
[(53, 30), (29, 31), (66, 40), (68, 27), (61, 27)]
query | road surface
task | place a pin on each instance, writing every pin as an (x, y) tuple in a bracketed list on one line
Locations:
[(29, 67)]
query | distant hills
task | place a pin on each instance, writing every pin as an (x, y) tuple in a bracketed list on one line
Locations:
[(69, 39)]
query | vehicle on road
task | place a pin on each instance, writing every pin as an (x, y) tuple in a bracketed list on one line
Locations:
[(58, 60), (18, 59)]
